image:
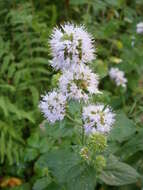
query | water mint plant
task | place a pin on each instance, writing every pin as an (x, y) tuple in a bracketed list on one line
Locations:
[(89, 133), (80, 124), (76, 121), (72, 50)]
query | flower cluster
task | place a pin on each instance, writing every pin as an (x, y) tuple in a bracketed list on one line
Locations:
[(92, 152), (72, 48), (84, 153), (98, 118), (53, 106), (100, 163), (71, 45), (139, 29), (75, 83), (97, 142), (118, 76)]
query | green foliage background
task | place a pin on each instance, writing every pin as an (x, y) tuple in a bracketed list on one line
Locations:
[(25, 73)]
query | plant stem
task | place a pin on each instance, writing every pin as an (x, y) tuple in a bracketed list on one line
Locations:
[(70, 118), (82, 135)]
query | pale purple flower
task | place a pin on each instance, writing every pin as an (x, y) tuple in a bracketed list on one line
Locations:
[(53, 105), (139, 29), (98, 118), (78, 82), (118, 76), (71, 44)]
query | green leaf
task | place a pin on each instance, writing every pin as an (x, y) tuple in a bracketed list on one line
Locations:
[(132, 146), (11, 70), (60, 129), (5, 64), (66, 167), (9, 151), (59, 163), (35, 95), (3, 105), (101, 68), (42, 183), (8, 87), (30, 154), (83, 178), (74, 108), (44, 145), (40, 60), (123, 129), (38, 144), (33, 140), (21, 114), (118, 173)]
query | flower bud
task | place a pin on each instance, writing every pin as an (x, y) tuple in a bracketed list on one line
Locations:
[(100, 163), (84, 153), (97, 142)]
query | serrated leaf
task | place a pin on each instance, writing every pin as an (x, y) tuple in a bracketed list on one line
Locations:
[(59, 163), (118, 173), (27, 115), (30, 154), (9, 151), (84, 178), (132, 146), (35, 95), (3, 106), (60, 129), (39, 50), (11, 70), (5, 64), (38, 145), (8, 87), (40, 60), (42, 183), (33, 140), (16, 154), (74, 108), (123, 128)]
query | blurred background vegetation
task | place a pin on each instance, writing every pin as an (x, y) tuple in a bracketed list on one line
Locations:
[(25, 73)]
